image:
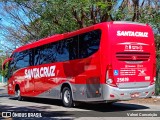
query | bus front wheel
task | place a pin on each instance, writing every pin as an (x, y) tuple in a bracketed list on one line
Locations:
[(18, 95), (67, 97)]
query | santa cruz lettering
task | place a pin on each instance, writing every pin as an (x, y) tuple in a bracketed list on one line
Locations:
[(132, 33), (40, 72)]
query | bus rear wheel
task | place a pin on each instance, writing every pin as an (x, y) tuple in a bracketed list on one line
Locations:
[(67, 97)]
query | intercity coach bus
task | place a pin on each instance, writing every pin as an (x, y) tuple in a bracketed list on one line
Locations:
[(106, 62)]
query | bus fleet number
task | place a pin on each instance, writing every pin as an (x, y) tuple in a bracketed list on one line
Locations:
[(125, 79)]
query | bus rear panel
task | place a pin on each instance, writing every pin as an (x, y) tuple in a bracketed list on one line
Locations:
[(130, 66)]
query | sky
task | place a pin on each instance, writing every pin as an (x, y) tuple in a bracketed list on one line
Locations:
[(5, 20)]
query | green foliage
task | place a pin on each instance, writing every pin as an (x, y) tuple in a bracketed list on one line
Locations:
[(1, 60), (55, 16)]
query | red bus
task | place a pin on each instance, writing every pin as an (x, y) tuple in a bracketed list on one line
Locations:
[(106, 62)]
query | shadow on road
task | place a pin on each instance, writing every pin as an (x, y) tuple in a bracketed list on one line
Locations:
[(115, 107), (2, 90), (84, 110), (90, 106), (3, 93)]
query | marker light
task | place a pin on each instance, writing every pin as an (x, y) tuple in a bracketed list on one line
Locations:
[(109, 76)]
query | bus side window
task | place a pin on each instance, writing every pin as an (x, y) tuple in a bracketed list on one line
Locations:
[(44, 56), (72, 44), (22, 60), (50, 55), (36, 56), (11, 68), (62, 51), (89, 43)]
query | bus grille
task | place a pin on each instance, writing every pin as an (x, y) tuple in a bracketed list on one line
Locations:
[(132, 56)]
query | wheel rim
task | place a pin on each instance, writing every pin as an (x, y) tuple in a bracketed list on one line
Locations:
[(17, 93), (67, 96)]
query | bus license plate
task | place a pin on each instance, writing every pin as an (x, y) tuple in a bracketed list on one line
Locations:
[(134, 95)]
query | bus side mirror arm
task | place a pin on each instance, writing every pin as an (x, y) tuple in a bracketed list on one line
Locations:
[(4, 63)]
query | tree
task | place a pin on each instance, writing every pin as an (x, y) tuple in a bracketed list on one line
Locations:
[(41, 18), (2, 58)]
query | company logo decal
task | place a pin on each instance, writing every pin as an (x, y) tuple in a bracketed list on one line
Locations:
[(40, 72), (132, 33), (134, 57)]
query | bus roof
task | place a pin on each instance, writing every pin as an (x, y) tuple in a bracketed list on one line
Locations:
[(70, 34), (53, 38)]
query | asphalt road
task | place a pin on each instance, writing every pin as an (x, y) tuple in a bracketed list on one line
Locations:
[(53, 109)]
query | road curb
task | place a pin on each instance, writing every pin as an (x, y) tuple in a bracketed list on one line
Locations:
[(156, 97), (3, 86)]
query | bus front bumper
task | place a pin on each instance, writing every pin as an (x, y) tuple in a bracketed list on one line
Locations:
[(115, 94)]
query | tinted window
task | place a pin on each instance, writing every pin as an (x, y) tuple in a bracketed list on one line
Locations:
[(22, 59), (45, 54), (89, 43), (53, 52), (76, 47), (37, 55), (62, 51), (72, 45)]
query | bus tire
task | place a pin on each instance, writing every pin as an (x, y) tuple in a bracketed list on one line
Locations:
[(18, 95), (67, 97)]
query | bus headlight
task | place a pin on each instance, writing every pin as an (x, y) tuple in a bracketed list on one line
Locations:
[(154, 79)]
